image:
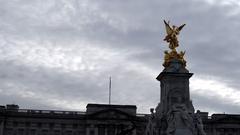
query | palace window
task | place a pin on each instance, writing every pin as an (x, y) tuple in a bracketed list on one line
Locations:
[(9, 131), (92, 132), (56, 132), (44, 132), (20, 131), (33, 132), (101, 130)]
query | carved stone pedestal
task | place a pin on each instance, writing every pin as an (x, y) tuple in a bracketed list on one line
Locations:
[(175, 114)]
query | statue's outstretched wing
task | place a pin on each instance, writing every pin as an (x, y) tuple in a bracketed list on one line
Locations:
[(168, 28), (180, 27)]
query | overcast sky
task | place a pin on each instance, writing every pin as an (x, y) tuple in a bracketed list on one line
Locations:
[(59, 54)]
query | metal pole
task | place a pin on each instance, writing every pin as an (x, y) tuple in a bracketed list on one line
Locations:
[(110, 87)]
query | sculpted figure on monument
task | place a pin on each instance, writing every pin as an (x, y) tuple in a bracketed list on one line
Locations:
[(171, 122), (187, 118), (172, 33), (199, 124), (172, 39), (179, 117)]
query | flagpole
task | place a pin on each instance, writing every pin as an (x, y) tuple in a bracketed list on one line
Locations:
[(110, 91)]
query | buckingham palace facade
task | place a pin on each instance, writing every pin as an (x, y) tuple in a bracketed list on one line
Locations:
[(98, 119)]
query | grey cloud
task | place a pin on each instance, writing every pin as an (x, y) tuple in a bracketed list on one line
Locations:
[(26, 103), (215, 106), (42, 81), (73, 86), (210, 40)]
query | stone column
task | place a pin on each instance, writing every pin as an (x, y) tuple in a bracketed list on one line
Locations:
[(174, 89)]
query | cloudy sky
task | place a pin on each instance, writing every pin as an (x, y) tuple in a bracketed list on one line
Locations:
[(59, 54)]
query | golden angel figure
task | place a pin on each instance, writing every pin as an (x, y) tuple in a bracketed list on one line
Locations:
[(172, 33)]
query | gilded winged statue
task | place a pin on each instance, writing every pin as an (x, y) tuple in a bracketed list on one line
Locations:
[(172, 33), (172, 39)]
